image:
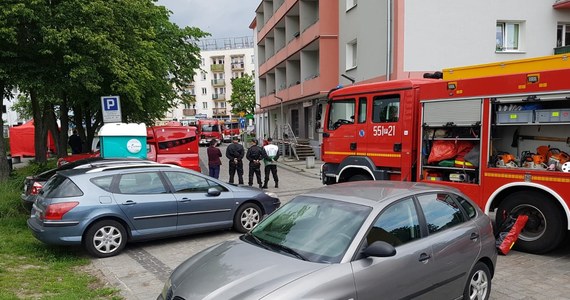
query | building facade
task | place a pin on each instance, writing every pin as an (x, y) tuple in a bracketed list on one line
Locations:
[(298, 42), (297, 58), (418, 36), (221, 61)]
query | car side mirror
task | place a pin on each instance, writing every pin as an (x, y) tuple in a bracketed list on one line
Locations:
[(213, 192), (379, 249)]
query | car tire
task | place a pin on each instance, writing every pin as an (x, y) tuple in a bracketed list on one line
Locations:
[(105, 238), (478, 284), (545, 228), (247, 217)]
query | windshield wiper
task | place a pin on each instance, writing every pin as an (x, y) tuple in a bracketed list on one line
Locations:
[(289, 250), (258, 241)]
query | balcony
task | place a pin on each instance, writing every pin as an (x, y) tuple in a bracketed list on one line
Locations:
[(562, 50), (217, 68), (219, 97), (238, 66), (218, 82), (189, 111), (219, 111)]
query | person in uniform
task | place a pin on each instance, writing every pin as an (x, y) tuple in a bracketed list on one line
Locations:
[(235, 153), (255, 154), (271, 155)]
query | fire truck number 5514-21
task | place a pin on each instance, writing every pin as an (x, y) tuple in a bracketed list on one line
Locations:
[(384, 130)]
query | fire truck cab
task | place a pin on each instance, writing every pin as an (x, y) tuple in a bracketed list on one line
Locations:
[(502, 140), (209, 129)]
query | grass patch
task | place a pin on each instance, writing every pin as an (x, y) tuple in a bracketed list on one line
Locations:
[(30, 269)]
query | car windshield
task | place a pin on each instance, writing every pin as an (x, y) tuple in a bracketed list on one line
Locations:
[(313, 229)]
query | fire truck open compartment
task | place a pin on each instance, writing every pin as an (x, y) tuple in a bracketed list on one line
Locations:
[(450, 143)]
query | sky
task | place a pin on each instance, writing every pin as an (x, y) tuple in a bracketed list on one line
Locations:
[(221, 18)]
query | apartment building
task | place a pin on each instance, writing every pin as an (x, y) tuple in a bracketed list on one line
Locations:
[(297, 61), (299, 42), (221, 60), (395, 39)]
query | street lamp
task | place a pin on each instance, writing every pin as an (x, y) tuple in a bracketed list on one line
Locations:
[(282, 126)]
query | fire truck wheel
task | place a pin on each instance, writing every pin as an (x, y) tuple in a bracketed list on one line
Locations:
[(544, 229), (358, 177)]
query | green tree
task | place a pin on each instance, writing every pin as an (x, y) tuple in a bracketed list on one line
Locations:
[(243, 95), (70, 53)]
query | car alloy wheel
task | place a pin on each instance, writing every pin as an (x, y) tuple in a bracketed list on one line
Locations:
[(247, 217), (105, 238), (479, 283)]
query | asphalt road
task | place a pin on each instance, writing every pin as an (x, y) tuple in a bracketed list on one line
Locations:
[(140, 271)]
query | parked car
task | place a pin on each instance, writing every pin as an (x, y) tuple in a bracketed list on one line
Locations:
[(34, 183), (356, 240), (102, 208)]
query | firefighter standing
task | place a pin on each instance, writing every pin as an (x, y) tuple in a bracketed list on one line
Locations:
[(235, 153), (254, 155), (272, 154)]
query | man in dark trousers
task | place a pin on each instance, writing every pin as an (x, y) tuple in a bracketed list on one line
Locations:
[(255, 154), (214, 161), (235, 153), (75, 143), (271, 155)]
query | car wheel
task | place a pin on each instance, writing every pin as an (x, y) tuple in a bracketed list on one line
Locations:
[(247, 217), (105, 238), (479, 283), (544, 229)]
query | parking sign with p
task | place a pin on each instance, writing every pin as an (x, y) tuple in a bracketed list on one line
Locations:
[(111, 108)]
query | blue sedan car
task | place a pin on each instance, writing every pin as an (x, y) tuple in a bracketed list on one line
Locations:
[(102, 208)]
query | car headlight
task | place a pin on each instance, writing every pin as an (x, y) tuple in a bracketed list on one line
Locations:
[(272, 195), (167, 289)]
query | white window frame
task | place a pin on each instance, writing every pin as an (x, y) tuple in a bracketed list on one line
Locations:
[(204, 91), (561, 31), (350, 4), (351, 55), (203, 76), (509, 37), (205, 105)]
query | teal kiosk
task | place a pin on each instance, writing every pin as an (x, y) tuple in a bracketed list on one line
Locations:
[(123, 140)]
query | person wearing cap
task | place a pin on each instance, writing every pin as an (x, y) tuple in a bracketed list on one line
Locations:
[(214, 161), (235, 153), (271, 155), (255, 154)]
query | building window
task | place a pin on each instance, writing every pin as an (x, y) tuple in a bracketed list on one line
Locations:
[(202, 61), (204, 91), (508, 36), (563, 35), (351, 55), (350, 4), (253, 59), (203, 76), (205, 105), (222, 104)]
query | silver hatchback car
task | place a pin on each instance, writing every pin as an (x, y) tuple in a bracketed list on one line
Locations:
[(103, 207), (357, 240)]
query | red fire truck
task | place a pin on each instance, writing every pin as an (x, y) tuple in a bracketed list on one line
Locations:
[(231, 129), (209, 129), (167, 144), (502, 140)]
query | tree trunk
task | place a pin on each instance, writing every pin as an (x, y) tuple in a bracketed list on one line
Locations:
[(4, 167), (40, 130)]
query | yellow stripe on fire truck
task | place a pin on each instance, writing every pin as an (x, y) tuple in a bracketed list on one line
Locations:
[(396, 155), (532, 178)]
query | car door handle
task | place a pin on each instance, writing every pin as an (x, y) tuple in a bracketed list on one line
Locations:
[(424, 257), (184, 200), (129, 202), (474, 236)]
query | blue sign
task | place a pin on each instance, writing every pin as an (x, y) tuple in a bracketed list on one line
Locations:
[(361, 133), (242, 123), (111, 108)]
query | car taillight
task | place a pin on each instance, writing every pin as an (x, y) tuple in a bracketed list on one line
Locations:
[(36, 188), (57, 210)]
